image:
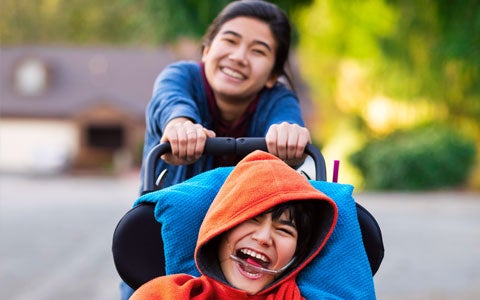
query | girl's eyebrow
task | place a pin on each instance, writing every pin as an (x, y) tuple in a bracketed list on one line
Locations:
[(239, 36)]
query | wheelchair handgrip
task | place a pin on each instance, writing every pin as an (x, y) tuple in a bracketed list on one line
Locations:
[(220, 146), (226, 146), (247, 145)]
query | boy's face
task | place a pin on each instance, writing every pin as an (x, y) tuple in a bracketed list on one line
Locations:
[(261, 241)]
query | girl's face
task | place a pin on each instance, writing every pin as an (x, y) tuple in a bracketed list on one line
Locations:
[(240, 59), (262, 241)]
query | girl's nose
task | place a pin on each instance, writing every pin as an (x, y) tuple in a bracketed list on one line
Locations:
[(239, 54)]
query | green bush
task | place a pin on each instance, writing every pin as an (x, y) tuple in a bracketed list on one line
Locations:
[(429, 157)]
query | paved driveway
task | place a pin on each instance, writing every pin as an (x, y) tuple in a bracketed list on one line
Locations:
[(55, 239), (55, 236), (432, 245)]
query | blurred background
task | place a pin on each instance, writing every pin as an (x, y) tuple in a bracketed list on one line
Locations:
[(390, 88)]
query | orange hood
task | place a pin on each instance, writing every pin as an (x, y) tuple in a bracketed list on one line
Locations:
[(258, 183)]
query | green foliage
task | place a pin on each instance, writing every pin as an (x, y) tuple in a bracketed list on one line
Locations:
[(81, 22), (427, 157), (181, 18), (415, 49), (174, 19), (77, 22), (336, 33), (434, 53), (423, 53)]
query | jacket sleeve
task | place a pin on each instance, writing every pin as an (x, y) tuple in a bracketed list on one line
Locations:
[(173, 96), (179, 286), (277, 105), (177, 92)]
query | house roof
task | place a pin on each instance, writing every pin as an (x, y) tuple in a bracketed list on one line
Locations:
[(80, 78)]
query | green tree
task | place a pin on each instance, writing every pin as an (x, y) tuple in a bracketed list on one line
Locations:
[(150, 22), (76, 22), (405, 50), (436, 47), (376, 66), (190, 18)]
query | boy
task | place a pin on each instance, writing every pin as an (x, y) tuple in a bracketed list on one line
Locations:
[(264, 226)]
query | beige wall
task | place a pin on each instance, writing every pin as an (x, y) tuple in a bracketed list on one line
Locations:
[(33, 146)]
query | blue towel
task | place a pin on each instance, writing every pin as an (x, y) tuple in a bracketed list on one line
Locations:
[(340, 271)]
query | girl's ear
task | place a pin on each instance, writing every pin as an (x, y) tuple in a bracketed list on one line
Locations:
[(271, 81), (205, 51)]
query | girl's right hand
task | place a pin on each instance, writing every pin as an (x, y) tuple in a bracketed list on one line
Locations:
[(186, 139)]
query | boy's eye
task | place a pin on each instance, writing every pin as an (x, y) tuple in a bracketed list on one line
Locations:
[(287, 230), (256, 219)]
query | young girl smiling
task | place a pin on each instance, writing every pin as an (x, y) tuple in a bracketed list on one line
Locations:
[(233, 92)]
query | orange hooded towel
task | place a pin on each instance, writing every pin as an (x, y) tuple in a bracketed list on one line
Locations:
[(258, 183)]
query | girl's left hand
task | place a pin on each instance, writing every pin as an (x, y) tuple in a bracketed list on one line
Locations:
[(288, 142)]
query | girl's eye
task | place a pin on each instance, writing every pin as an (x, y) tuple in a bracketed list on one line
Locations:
[(229, 41), (258, 51)]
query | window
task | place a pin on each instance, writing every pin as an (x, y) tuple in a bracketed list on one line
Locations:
[(106, 137), (31, 77)]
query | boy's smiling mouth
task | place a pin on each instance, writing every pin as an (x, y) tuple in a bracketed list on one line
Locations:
[(253, 257), (254, 266)]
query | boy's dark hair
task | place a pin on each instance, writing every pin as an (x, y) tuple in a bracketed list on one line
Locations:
[(302, 214), (267, 12)]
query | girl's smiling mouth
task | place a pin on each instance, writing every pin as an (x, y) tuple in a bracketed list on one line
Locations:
[(232, 73)]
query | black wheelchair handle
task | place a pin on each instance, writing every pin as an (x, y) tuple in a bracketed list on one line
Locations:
[(227, 146)]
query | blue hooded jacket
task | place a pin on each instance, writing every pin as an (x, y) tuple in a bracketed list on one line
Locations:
[(179, 91)]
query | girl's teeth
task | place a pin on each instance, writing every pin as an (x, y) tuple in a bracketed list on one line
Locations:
[(232, 73)]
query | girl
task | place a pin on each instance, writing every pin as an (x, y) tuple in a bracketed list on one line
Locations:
[(234, 92)]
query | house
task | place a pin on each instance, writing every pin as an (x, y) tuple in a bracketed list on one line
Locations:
[(76, 109)]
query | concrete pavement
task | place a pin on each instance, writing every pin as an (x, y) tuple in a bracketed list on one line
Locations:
[(55, 239), (55, 236), (432, 244)]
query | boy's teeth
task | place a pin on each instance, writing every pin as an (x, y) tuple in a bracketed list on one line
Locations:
[(254, 254)]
